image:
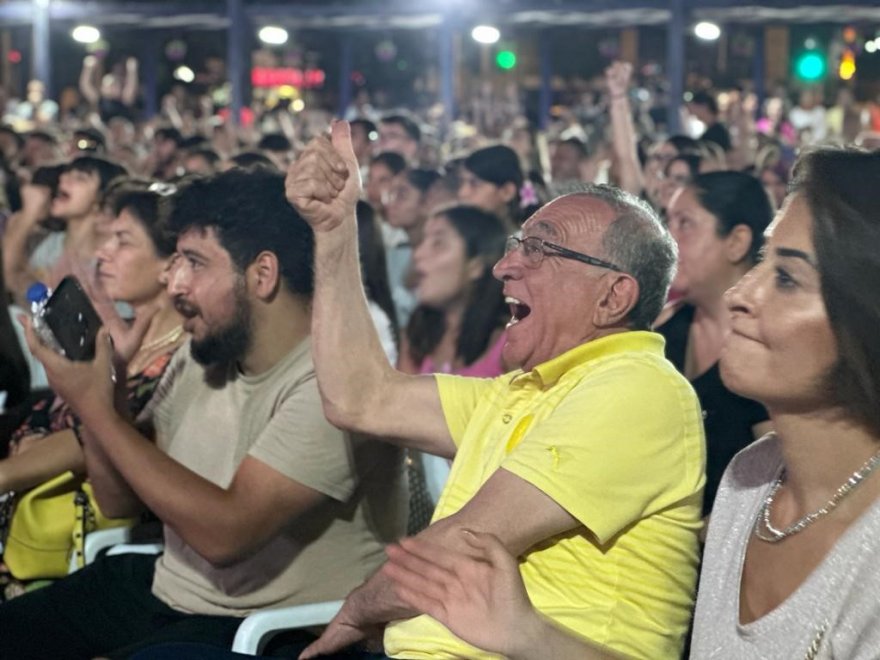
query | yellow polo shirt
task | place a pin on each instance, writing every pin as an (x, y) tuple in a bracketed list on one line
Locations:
[(613, 433)]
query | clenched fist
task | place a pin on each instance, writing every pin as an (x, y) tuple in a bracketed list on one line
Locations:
[(324, 183)]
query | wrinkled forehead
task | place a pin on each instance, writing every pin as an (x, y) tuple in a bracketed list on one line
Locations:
[(570, 218)]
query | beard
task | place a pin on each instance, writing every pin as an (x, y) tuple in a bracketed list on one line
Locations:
[(229, 343)]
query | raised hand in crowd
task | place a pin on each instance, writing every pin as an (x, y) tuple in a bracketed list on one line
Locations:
[(324, 183)]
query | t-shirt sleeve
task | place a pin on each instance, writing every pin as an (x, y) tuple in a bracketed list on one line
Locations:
[(621, 446), (302, 445), (459, 397)]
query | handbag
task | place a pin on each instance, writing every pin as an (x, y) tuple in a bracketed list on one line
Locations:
[(49, 524)]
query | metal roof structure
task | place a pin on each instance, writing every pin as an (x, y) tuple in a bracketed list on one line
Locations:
[(404, 14)]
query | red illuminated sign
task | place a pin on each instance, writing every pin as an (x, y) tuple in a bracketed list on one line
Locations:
[(278, 76)]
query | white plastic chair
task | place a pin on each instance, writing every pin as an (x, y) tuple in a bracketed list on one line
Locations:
[(117, 542), (256, 630)]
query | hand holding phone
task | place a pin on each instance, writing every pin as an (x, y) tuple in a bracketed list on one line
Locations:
[(70, 316)]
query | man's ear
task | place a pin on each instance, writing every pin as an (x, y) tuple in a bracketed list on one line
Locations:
[(737, 243), (617, 301), (264, 275)]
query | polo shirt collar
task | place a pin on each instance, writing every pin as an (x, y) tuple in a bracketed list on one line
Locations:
[(642, 341)]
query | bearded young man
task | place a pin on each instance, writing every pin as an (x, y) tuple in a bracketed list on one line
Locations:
[(264, 503)]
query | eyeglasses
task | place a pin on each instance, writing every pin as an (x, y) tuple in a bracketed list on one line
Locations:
[(535, 249)]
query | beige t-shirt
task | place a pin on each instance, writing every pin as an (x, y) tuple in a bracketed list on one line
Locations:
[(276, 417)]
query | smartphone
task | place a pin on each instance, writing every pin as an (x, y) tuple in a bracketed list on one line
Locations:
[(72, 319)]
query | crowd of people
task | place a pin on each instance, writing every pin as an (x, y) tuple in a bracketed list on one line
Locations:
[(644, 364)]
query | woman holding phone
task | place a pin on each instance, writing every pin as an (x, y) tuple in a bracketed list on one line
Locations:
[(131, 267)]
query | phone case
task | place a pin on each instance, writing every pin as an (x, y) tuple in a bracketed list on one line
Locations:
[(72, 319)]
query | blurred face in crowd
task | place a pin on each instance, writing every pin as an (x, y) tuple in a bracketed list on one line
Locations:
[(553, 304), (781, 346), (379, 180), (128, 265), (565, 163), (38, 152), (198, 164), (393, 137), (485, 195), (659, 157), (210, 293), (121, 131), (702, 253), (77, 194), (404, 203), (677, 175), (442, 267), (775, 185)]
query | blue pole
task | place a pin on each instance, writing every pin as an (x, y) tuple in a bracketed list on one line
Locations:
[(447, 73), (42, 63), (758, 68), (149, 68), (345, 75), (235, 57), (675, 65), (545, 96)]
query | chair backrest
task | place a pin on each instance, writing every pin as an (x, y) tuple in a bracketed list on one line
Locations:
[(427, 475)]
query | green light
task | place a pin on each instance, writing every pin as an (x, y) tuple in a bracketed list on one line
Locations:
[(505, 59), (810, 66)]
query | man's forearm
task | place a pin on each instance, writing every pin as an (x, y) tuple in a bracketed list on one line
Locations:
[(16, 254), (342, 325), (541, 638)]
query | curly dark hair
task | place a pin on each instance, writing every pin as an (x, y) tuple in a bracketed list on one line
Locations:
[(250, 214)]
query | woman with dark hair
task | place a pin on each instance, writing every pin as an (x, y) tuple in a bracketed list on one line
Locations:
[(680, 171), (718, 222), (659, 156), (406, 210), (132, 267), (459, 323), (492, 179), (790, 566)]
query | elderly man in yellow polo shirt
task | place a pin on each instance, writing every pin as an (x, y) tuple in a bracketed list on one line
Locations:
[(587, 463)]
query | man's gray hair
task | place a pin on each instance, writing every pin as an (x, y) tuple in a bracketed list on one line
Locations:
[(639, 243)]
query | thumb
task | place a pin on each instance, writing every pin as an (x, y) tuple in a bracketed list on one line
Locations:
[(103, 346), (340, 136)]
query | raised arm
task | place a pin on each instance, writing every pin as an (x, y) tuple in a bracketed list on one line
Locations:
[(360, 390), (87, 86), (131, 82), (21, 228), (623, 135)]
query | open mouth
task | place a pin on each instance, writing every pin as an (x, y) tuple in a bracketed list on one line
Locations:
[(518, 310)]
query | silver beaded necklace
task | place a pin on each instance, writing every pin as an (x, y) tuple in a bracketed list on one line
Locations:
[(765, 530)]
